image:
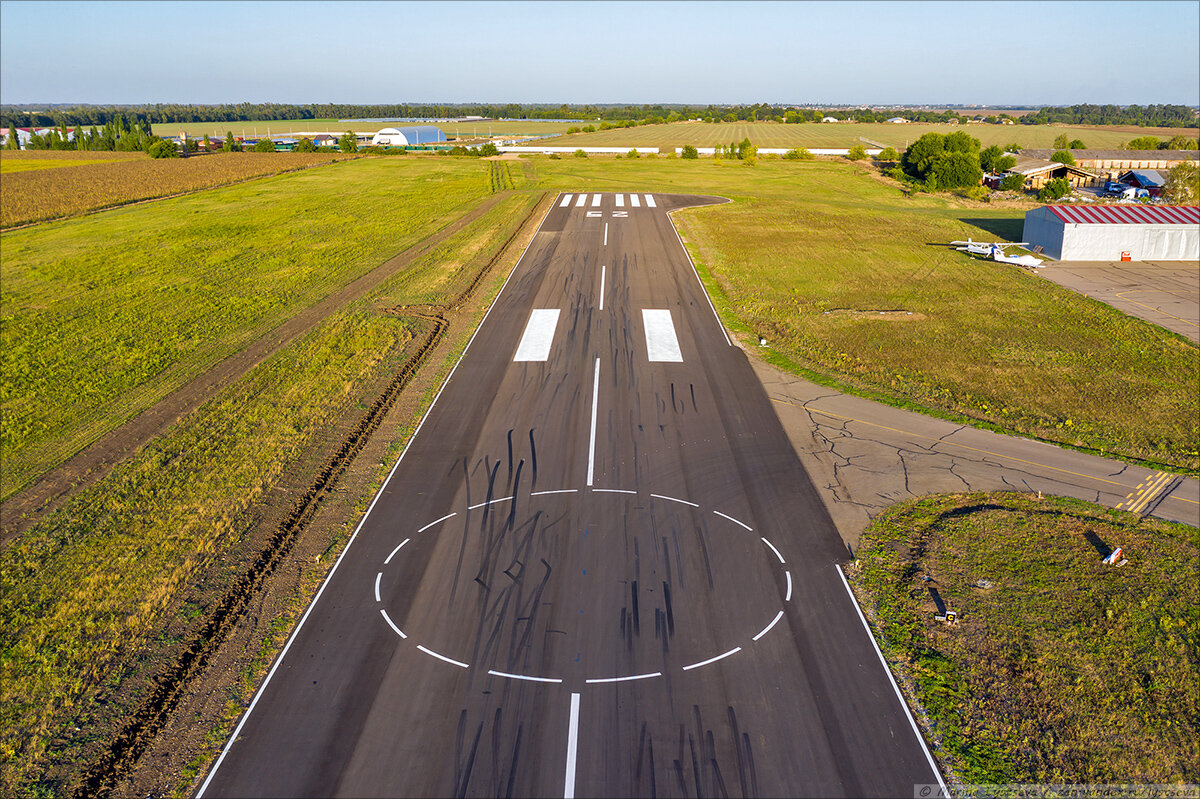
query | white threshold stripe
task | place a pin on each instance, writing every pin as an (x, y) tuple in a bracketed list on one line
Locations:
[(712, 307), (538, 335), (572, 747), (566, 200), (614, 491), (635, 200), (523, 677), (596, 200), (773, 549), (899, 696), (555, 491), (650, 201), (620, 200), (735, 521), (592, 443), (662, 345), (237, 731), (582, 199), (439, 521), (388, 559), (625, 679), (391, 624), (378, 577), (767, 629), (788, 598), (673, 499), (443, 657), (733, 651), (603, 270)]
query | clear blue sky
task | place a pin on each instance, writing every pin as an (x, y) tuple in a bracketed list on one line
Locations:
[(994, 53)]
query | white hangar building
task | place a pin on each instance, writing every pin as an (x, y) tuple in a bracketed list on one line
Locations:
[(1115, 232), (407, 137)]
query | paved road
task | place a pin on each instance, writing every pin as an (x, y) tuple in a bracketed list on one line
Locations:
[(599, 570)]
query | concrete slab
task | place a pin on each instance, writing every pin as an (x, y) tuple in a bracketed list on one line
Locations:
[(1166, 293)]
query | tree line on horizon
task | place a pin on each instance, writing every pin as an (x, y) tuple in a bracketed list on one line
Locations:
[(160, 113)]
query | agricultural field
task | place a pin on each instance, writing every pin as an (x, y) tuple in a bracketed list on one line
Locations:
[(62, 184), (813, 135), (291, 127), (248, 129), (806, 245), (1060, 669), (106, 314)]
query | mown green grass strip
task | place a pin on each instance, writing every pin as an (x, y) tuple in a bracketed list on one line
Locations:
[(104, 315), (809, 253), (1061, 669)]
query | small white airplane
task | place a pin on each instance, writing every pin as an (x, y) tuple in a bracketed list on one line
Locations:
[(995, 250)]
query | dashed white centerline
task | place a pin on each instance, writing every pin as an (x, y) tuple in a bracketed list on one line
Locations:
[(451, 661), (773, 549), (788, 598), (605, 234), (523, 677), (388, 559), (431, 524), (378, 577), (673, 499), (614, 491), (603, 269), (556, 491), (388, 619), (624, 679), (592, 443), (489, 502), (733, 651), (735, 521), (572, 747), (767, 629)]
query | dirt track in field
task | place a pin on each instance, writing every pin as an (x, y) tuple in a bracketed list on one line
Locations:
[(25, 508)]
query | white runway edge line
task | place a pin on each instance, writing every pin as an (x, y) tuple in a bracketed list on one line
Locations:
[(354, 536), (662, 345), (538, 335), (572, 747), (592, 441), (899, 696), (697, 274)]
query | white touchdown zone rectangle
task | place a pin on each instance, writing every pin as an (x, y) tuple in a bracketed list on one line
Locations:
[(661, 342), (538, 336)]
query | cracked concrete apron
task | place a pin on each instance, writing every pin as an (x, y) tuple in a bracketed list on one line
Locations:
[(864, 456)]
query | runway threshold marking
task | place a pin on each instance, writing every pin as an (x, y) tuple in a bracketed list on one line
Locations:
[(650, 201), (596, 200), (620, 200), (662, 345), (566, 200), (572, 747), (538, 335), (635, 201), (582, 199)]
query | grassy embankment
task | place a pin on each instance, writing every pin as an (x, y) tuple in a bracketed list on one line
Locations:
[(101, 595), (808, 252), (814, 135), (40, 185), (105, 315), (1061, 669)]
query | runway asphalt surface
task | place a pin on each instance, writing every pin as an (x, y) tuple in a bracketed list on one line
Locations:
[(598, 570)]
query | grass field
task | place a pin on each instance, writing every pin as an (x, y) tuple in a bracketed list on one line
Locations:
[(78, 187), (804, 243), (814, 135), (288, 127), (105, 314), (1061, 669)]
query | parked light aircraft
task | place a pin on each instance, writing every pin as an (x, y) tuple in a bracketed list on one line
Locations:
[(995, 250)]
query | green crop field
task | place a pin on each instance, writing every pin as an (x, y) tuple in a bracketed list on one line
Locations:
[(290, 127), (806, 246), (106, 314), (813, 135), (1060, 669)]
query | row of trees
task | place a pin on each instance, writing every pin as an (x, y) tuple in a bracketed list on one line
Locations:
[(86, 115)]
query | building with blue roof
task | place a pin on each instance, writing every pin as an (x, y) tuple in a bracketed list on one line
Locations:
[(409, 136)]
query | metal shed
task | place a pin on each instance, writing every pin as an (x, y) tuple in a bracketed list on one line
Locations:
[(1115, 232), (406, 137)]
